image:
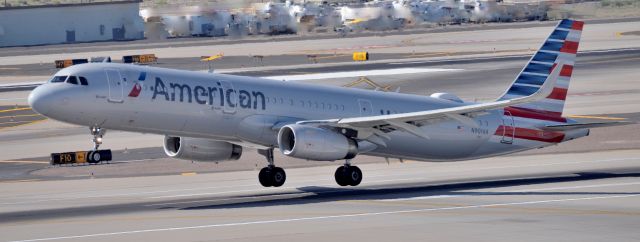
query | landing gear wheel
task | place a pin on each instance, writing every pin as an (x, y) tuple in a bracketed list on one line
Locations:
[(340, 176), (272, 177), (354, 175), (94, 157), (348, 175), (265, 177), (278, 177)]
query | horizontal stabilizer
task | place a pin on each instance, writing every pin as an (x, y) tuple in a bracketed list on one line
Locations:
[(566, 127)]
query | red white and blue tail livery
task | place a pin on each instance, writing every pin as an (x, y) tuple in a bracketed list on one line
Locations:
[(561, 45)]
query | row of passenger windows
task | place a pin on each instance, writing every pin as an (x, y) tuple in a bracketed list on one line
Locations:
[(306, 104), (317, 105), (70, 79)]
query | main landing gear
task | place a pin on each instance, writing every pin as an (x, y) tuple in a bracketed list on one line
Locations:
[(271, 176), (348, 175)]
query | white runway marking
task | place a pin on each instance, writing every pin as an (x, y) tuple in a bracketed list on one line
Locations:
[(323, 218), (397, 71)]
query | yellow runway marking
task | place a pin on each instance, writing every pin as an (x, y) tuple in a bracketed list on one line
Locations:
[(15, 122), (24, 115), (14, 109), (596, 117), (188, 174), (37, 121)]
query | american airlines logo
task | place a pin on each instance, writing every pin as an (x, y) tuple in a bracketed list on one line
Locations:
[(137, 87), (207, 95)]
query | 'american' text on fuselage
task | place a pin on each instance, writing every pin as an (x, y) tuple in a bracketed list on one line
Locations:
[(206, 95)]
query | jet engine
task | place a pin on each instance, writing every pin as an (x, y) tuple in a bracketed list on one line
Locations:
[(313, 143), (200, 149)]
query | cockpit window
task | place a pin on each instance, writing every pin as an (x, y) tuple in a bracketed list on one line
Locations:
[(73, 80), (83, 81), (58, 79)]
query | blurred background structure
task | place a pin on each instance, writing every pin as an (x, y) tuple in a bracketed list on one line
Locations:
[(38, 22)]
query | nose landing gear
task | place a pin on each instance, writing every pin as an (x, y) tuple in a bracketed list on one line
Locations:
[(93, 156), (97, 134)]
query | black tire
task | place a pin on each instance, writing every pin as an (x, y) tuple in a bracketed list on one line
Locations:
[(278, 177), (340, 176), (354, 176), (265, 177), (94, 157)]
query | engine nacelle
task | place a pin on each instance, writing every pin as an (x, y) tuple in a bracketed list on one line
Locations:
[(200, 149), (312, 143)]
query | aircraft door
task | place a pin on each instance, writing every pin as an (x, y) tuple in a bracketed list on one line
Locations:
[(116, 86), (366, 108), (230, 97), (508, 128)]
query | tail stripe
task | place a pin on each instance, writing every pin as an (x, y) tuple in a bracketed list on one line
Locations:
[(538, 68), (531, 79), (570, 47), (567, 24), (559, 34), (577, 25), (558, 94), (552, 46)]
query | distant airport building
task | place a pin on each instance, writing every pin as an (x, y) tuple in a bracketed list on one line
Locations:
[(70, 23)]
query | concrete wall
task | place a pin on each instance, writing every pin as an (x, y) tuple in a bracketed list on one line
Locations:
[(23, 26)]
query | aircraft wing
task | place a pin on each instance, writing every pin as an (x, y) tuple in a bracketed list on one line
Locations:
[(404, 121)]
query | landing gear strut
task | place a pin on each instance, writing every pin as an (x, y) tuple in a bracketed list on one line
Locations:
[(271, 176), (95, 155), (348, 175), (97, 133)]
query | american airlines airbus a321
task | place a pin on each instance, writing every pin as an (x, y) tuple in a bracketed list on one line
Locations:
[(211, 117)]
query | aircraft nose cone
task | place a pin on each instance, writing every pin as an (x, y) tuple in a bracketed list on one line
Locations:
[(38, 100)]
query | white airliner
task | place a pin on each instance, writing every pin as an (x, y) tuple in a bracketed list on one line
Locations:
[(211, 117)]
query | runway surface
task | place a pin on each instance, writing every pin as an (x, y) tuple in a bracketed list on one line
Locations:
[(569, 197), (583, 190)]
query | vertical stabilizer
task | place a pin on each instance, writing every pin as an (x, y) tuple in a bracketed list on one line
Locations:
[(561, 45)]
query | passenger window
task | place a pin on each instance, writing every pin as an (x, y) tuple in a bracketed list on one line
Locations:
[(73, 80), (58, 79), (83, 81)]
